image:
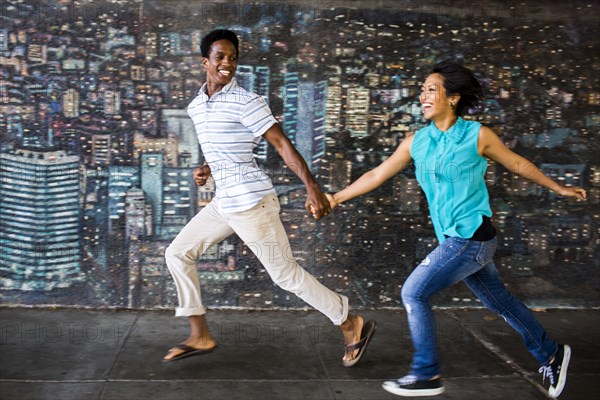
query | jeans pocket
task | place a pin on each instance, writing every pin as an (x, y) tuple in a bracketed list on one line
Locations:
[(486, 252)]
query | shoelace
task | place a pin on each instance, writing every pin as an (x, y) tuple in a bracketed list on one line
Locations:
[(407, 380), (547, 373)]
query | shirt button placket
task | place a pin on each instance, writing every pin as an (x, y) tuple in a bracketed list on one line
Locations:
[(438, 160)]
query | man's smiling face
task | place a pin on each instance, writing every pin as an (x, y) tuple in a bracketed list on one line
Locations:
[(221, 63)]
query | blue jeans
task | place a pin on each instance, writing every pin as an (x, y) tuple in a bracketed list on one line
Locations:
[(456, 260)]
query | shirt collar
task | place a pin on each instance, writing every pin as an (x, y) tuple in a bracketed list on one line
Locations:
[(225, 89), (456, 131)]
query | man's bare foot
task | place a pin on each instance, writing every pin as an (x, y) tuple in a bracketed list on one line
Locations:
[(198, 343), (199, 338), (352, 329)]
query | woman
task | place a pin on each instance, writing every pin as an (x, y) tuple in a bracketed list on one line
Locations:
[(450, 159)]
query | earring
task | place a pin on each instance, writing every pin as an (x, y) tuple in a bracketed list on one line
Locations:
[(452, 106)]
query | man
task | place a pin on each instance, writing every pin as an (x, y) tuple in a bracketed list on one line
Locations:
[(230, 122)]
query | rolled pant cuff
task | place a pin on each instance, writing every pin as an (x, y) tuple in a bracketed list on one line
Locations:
[(344, 316), (188, 312)]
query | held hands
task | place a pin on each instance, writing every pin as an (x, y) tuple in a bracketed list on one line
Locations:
[(332, 203), (576, 192), (317, 204), (201, 174)]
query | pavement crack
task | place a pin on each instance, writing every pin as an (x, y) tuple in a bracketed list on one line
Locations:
[(497, 352), (131, 331), (323, 365)]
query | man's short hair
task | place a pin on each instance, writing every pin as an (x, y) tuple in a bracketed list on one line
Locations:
[(215, 35)]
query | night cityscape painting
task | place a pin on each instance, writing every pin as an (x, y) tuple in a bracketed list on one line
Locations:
[(97, 149)]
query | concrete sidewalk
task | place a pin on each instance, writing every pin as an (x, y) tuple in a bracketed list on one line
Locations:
[(83, 354)]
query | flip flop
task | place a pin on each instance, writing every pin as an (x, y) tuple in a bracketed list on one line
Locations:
[(366, 335), (188, 351)]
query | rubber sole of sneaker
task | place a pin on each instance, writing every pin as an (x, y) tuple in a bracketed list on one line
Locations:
[(413, 393), (554, 392)]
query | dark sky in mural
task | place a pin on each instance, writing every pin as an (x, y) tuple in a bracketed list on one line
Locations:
[(96, 148)]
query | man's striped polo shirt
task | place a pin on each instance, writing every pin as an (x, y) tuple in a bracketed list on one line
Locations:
[(229, 125)]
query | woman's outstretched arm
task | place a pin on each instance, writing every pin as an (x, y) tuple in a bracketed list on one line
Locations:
[(371, 180), (491, 146)]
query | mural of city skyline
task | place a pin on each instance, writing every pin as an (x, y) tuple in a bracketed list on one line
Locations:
[(97, 149)]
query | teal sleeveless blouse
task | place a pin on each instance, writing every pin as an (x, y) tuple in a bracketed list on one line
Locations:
[(452, 174)]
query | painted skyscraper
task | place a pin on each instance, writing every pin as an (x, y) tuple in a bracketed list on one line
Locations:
[(152, 185), (256, 80), (304, 113), (178, 124), (40, 247), (310, 135), (357, 111)]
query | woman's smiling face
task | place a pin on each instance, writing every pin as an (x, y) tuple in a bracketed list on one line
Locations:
[(433, 97)]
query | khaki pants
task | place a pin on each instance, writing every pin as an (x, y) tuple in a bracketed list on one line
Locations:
[(261, 229)]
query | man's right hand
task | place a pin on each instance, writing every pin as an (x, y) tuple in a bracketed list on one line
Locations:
[(201, 174)]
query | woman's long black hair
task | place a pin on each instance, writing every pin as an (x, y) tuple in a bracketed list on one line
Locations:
[(460, 80)]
